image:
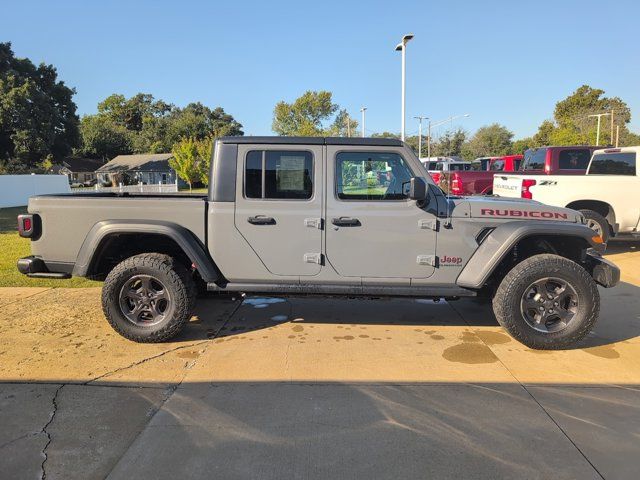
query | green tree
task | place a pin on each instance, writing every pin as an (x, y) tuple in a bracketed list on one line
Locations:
[(204, 148), (185, 160), (518, 147), (37, 112), (343, 126), (494, 139), (451, 143), (104, 138), (306, 116)]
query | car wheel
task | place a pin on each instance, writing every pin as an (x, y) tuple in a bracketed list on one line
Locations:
[(547, 302), (597, 223), (148, 298)]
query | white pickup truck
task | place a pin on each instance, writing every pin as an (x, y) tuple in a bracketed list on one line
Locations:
[(608, 195)]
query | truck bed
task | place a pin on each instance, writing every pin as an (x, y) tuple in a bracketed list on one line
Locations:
[(67, 219)]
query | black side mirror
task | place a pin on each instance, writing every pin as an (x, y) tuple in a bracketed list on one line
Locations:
[(417, 189)]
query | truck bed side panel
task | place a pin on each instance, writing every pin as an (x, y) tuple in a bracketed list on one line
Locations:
[(66, 220)]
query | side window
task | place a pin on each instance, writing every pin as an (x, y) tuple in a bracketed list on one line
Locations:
[(573, 159), (534, 159), (280, 175), (497, 166), (623, 163), (371, 176)]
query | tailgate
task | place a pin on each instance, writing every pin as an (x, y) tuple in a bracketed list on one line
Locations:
[(507, 185)]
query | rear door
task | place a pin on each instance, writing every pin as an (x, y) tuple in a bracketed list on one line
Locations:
[(374, 231), (279, 205)]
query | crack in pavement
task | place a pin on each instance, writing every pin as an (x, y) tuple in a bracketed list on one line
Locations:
[(44, 430)]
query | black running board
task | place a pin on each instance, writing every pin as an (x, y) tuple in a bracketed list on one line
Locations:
[(50, 275)]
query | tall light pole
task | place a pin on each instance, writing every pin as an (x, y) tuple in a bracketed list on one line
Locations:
[(441, 122), (599, 116), (401, 47), (420, 118), (363, 110)]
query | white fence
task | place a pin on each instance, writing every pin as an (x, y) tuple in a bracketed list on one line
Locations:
[(159, 188), (15, 190)]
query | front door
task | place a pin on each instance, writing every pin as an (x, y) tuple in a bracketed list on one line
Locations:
[(373, 229), (279, 205)]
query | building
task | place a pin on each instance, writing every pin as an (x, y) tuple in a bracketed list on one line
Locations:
[(81, 171), (146, 169)]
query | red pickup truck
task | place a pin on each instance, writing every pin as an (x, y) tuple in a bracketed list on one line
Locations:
[(478, 181), (571, 160)]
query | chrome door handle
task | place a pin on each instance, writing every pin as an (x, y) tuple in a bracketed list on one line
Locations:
[(346, 222), (261, 220)]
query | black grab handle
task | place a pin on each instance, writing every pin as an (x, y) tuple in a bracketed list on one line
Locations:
[(346, 222), (261, 220)]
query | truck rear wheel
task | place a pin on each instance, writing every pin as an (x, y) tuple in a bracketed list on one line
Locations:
[(547, 302), (148, 298), (597, 223)]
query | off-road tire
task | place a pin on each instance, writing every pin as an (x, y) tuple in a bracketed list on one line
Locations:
[(175, 278), (507, 301), (592, 216)]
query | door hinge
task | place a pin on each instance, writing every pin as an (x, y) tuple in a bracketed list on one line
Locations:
[(313, 258), (313, 223), (428, 224), (427, 260)]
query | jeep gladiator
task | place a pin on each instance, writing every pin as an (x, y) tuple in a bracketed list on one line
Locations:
[(302, 216)]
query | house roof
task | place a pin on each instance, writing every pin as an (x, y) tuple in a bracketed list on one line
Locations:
[(149, 162), (75, 164)]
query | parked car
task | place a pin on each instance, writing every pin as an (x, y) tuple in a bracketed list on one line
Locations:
[(608, 195), (288, 216), (471, 182), (557, 160), (443, 168)]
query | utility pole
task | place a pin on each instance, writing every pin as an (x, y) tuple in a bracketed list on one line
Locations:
[(420, 118), (402, 47), (429, 140), (617, 134), (363, 110), (611, 138), (599, 117)]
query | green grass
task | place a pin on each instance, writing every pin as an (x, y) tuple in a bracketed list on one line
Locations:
[(12, 247)]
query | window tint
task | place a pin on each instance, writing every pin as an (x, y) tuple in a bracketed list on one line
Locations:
[(371, 176), (574, 159), (432, 165), (284, 174), (623, 163), (534, 159), (516, 164)]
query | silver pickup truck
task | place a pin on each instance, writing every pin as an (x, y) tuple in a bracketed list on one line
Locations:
[(321, 216)]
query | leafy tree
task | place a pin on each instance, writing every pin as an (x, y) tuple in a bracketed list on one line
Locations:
[(494, 139), (185, 160), (204, 149), (343, 126), (520, 146), (306, 116), (104, 138), (37, 112), (449, 144)]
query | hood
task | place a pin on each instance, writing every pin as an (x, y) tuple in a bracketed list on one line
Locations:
[(511, 208)]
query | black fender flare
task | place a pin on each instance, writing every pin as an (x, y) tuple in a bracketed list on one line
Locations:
[(503, 238), (184, 238)]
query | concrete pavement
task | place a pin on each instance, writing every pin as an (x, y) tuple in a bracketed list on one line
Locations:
[(310, 388)]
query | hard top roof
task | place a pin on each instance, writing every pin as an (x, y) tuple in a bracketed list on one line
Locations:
[(385, 142)]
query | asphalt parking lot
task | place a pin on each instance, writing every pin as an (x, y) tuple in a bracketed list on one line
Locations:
[(310, 388)]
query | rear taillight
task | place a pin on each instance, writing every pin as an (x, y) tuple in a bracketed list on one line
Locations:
[(456, 185), (525, 192), (25, 225)]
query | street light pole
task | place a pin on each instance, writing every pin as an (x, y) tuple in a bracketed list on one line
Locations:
[(363, 110), (450, 119), (401, 47), (420, 118)]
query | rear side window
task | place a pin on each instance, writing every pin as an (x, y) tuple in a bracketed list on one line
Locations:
[(622, 163), (574, 159), (498, 166), (371, 176), (282, 175), (534, 159)]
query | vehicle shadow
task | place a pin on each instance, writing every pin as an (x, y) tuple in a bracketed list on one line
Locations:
[(622, 246), (224, 317)]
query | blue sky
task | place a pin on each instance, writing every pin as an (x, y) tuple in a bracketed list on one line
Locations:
[(500, 61)]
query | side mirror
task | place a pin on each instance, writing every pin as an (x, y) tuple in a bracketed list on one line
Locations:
[(417, 189)]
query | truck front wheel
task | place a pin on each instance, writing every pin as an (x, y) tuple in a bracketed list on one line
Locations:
[(547, 302), (148, 298)]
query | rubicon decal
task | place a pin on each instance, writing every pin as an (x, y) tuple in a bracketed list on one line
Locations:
[(490, 212), (447, 261)]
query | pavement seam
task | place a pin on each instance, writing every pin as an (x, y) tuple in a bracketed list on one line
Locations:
[(44, 430), (28, 296), (532, 396)]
